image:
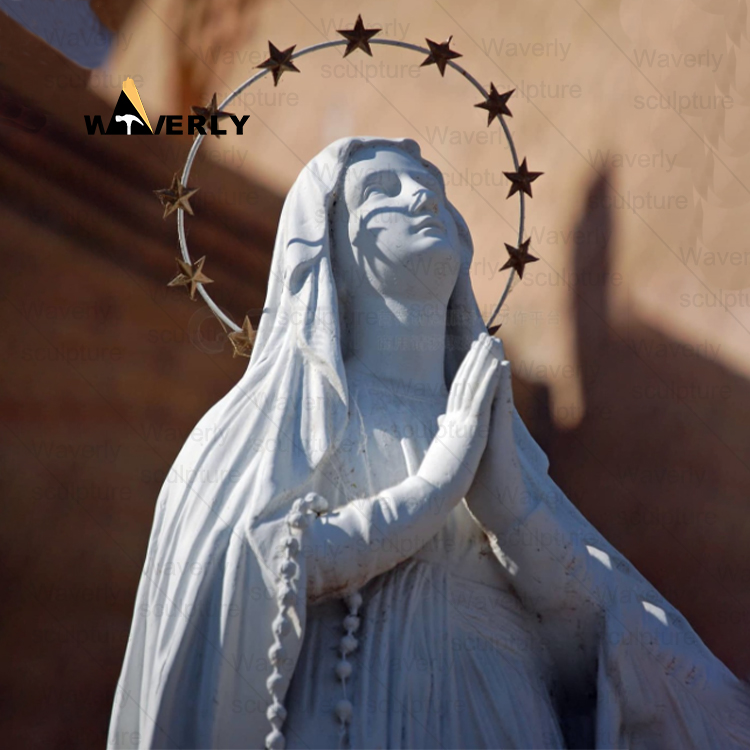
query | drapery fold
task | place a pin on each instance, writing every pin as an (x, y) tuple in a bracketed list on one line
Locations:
[(196, 664), (195, 677)]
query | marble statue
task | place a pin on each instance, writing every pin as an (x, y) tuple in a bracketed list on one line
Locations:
[(360, 544)]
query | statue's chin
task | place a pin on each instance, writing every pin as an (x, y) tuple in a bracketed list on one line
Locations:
[(433, 243)]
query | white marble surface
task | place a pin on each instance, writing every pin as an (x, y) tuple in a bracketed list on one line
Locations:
[(360, 544)]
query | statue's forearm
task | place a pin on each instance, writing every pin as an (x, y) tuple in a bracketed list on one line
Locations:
[(350, 546)]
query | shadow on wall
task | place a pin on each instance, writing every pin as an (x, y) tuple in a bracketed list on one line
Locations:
[(660, 461)]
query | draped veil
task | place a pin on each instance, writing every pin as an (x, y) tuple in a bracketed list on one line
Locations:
[(196, 664)]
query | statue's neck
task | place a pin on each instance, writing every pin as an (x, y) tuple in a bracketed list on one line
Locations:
[(399, 343)]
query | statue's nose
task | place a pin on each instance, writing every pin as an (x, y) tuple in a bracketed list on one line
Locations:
[(424, 199)]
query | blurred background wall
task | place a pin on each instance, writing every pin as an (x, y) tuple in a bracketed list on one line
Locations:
[(629, 339)]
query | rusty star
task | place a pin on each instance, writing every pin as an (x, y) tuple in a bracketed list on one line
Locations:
[(176, 196), (191, 274), (358, 37), (279, 62), (243, 340), (522, 180), (496, 104), (519, 257), (440, 54), (209, 111)]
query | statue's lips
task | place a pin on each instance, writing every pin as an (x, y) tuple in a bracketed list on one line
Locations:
[(429, 222)]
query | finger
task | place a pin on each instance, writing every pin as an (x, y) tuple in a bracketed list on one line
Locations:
[(459, 381), (482, 399), (460, 377), (481, 405), (476, 373), (497, 349), (502, 410), (505, 387)]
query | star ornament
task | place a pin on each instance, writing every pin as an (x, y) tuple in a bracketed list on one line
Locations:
[(279, 62), (519, 257), (440, 54), (522, 180), (191, 274), (210, 111), (358, 37), (176, 196), (496, 104), (243, 340)]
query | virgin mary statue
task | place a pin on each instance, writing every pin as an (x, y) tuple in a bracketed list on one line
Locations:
[(360, 545)]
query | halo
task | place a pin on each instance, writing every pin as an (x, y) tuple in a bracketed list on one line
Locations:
[(439, 54)]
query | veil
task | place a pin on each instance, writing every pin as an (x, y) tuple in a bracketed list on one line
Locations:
[(196, 667), (196, 663)]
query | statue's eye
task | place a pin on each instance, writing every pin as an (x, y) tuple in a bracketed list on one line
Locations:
[(386, 183), (371, 189)]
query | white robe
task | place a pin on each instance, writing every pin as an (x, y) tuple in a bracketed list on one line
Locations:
[(196, 670), (448, 657)]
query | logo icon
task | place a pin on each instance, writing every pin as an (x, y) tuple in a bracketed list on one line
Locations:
[(129, 116)]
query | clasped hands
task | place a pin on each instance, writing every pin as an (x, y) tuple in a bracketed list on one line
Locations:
[(478, 414)]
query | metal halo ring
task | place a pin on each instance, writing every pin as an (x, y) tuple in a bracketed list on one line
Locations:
[(316, 48)]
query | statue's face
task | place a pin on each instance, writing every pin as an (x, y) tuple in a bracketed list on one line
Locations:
[(401, 231)]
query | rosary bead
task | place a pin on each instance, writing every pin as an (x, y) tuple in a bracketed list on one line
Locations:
[(343, 669), (319, 504), (276, 654), (273, 683), (348, 644), (275, 740), (344, 710), (276, 712), (351, 623), (281, 626), (354, 602)]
